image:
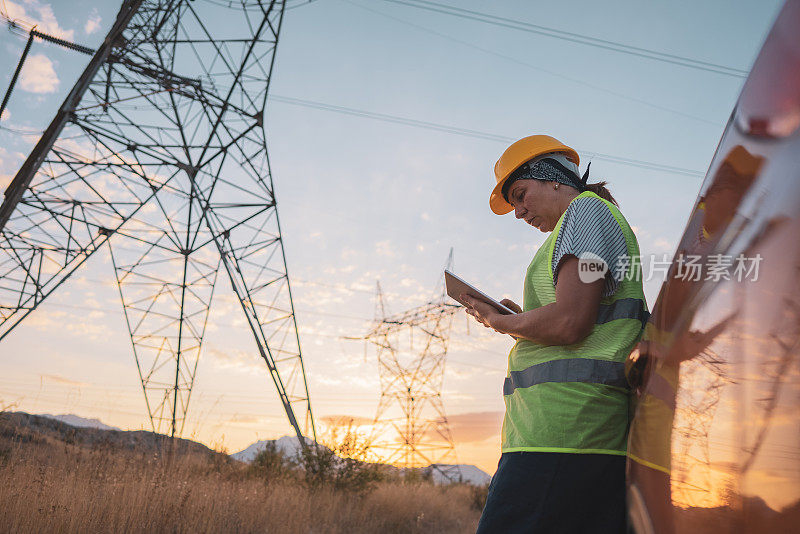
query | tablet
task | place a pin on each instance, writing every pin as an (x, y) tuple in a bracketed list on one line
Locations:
[(456, 286)]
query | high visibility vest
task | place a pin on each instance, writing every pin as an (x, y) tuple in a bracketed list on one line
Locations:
[(574, 398)]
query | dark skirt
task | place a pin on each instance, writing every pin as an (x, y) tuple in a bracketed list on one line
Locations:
[(551, 492)]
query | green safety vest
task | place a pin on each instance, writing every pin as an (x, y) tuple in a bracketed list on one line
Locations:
[(574, 398)]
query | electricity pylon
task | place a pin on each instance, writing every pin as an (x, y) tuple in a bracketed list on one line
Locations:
[(410, 428), (159, 151)]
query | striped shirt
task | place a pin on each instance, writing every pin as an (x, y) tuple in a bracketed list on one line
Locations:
[(590, 228)]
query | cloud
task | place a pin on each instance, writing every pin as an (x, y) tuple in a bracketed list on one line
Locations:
[(234, 358), (329, 381), (385, 248), (663, 244), (331, 421), (38, 75), (5, 167), (244, 419), (34, 13), (44, 319), (93, 24), (62, 380), (474, 426)]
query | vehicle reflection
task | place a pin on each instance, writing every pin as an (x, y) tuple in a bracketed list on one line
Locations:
[(715, 439)]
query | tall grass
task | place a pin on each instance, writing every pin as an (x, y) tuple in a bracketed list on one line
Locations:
[(51, 486)]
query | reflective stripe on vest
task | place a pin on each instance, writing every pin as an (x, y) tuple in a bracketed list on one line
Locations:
[(630, 308), (568, 370)]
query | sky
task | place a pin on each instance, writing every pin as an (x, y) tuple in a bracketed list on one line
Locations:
[(362, 200)]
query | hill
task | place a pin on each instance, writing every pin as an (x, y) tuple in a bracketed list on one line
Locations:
[(20, 427), (61, 478), (92, 433)]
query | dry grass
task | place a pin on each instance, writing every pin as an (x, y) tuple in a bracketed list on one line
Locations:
[(50, 486)]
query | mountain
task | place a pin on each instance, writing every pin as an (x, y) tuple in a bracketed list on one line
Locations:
[(289, 446), (80, 422), (469, 474)]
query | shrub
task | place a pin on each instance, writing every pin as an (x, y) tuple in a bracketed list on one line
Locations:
[(418, 475), (341, 462), (322, 467), (270, 464), (478, 495)]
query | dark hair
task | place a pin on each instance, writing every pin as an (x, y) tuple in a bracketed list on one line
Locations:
[(602, 191)]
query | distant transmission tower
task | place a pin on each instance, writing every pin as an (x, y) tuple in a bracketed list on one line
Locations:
[(159, 151), (411, 428)]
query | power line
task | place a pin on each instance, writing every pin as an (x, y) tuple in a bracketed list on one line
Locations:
[(389, 118), (20, 131), (25, 29), (254, 6), (470, 348), (539, 68), (396, 119), (227, 325), (300, 3), (406, 121), (573, 37)]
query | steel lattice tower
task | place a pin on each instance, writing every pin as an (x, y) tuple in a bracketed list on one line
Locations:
[(410, 428), (159, 151)]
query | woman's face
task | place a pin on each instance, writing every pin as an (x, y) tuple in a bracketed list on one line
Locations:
[(536, 202)]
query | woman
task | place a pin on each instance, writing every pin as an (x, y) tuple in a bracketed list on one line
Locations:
[(562, 467)]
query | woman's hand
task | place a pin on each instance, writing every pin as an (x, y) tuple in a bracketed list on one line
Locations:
[(484, 313), (511, 305)]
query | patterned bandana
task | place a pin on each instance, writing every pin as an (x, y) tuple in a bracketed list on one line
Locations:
[(549, 168)]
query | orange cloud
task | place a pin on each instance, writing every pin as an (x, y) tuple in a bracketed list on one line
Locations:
[(345, 420), (63, 380), (474, 426)]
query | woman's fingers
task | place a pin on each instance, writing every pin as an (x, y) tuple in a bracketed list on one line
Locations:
[(511, 305), (477, 309), (477, 316)]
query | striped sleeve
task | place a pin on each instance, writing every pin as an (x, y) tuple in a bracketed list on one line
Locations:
[(589, 228)]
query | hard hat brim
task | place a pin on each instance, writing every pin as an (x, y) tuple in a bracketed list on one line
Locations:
[(497, 203), (517, 154)]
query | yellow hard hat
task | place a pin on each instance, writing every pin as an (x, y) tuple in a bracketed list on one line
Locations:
[(518, 153)]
